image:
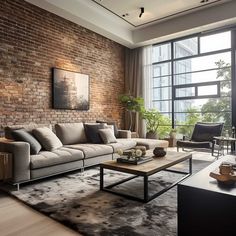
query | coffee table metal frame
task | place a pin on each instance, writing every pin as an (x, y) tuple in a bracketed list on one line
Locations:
[(146, 198)]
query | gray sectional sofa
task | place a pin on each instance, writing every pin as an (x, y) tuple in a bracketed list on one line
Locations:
[(75, 152)]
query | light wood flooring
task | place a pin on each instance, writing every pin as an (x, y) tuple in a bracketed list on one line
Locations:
[(17, 219)]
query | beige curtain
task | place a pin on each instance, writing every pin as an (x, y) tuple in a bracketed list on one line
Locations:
[(134, 84)]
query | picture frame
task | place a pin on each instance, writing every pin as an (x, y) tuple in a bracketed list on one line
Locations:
[(70, 90)]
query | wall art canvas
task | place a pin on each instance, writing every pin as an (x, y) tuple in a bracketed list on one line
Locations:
[(70, 90)]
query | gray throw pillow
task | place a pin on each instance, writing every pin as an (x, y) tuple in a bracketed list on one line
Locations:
[(23, 135), (107, 136), (47, 138), (111, 123)]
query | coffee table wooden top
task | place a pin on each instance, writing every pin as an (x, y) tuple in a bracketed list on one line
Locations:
[(151, 167)]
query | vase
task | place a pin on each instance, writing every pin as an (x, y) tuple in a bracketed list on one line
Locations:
[(173, 135), (151, 135)]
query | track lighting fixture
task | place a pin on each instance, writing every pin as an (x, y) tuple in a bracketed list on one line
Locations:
[(142, 11)]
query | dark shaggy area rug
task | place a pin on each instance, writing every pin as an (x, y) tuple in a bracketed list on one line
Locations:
[(75, 200)]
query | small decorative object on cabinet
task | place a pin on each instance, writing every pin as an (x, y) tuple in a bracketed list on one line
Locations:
[(225, 173), (5, 166)]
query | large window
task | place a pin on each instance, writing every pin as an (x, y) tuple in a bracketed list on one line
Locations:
[(192, 80)]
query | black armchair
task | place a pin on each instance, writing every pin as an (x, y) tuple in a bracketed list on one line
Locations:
[(202, 136)]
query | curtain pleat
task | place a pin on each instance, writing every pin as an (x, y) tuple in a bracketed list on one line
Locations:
[(138, 83)]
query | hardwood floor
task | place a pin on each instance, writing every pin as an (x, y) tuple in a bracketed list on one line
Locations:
[(17, 219)]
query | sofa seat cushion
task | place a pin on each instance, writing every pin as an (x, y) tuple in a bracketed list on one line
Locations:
[(92, 150), (56, 157), (192, 144), (123, 143), (151, 143)]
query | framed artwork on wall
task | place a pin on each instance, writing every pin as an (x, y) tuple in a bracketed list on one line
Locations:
[(70, 90)]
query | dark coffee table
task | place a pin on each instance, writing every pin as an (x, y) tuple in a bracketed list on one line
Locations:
[(145, 170)]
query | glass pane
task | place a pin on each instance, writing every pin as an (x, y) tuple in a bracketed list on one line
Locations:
[(203, 105), (184, 130), (162, 69), (202, 63), (185, 92), (162, 81), (215, 42), (162, 93), (161, 52), (225, 88), (204, 76), (168, 115), (187, 118), (162, 106), (207, 90), (186, 47)]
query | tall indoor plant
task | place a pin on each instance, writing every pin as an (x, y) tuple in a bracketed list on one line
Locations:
[(131, 104)]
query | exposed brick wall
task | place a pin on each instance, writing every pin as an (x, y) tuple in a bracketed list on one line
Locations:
[(32, 41)]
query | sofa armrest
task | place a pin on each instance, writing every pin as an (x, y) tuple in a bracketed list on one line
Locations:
[(21, 159), (124, 133)]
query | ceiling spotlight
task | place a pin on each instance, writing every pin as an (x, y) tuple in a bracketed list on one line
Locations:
[(126, 14), (142, 11)]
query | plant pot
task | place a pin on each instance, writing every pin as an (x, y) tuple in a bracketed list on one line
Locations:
[(152, 135), (173, 135)]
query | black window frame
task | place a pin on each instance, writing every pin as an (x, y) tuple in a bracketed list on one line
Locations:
[(232, 50)]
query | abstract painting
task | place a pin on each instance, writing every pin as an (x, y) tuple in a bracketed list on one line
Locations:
[(70, 90)]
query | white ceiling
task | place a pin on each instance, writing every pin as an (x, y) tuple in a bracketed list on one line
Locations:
[(154, 10), (162, 19)]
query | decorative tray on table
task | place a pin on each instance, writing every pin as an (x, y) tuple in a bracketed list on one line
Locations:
[(134, 161)]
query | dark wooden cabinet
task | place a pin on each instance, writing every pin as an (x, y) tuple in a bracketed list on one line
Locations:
[(5, 166), (204, 207)]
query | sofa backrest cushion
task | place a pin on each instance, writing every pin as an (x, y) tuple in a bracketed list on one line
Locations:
[(71, 133), (47, 138), (23, 135), (27, 127), (92, 132)]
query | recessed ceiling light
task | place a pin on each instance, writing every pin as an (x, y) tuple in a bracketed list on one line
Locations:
[(124, 15)]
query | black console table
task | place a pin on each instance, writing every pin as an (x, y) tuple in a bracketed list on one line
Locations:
[(204, 207)]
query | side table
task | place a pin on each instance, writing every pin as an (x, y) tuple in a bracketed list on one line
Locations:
[(222, 140), (5, 166)]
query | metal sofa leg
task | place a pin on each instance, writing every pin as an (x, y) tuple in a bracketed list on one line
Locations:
[(18, 187)]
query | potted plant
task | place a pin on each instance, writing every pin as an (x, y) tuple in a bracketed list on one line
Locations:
[(131, 104), (173, 133), (152, 118)]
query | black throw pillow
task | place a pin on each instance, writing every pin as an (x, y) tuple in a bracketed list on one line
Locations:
[(92, 132), (111, 123), (22, 135)]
